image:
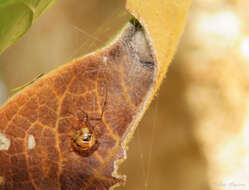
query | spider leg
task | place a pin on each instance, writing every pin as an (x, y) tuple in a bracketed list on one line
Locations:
[(103, 107), (105, 101)]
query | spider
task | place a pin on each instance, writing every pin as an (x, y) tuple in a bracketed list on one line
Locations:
[(84, 140)]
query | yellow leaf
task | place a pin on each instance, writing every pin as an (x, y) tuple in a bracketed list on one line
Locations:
[(164, 21)]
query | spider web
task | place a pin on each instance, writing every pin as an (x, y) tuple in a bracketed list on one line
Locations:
[(145, 146)]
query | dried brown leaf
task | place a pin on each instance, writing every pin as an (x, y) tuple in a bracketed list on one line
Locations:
[(41, 121)]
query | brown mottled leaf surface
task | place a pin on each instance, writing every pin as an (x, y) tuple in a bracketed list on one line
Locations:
[(114, 81)]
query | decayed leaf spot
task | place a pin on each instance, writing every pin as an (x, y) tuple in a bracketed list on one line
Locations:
[(92, 102), (4, 142), (31, 142)]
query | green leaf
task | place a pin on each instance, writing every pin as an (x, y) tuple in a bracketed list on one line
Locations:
[(16, 17)]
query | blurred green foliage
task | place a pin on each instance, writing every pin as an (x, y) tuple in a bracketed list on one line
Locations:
[(16, 17)]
